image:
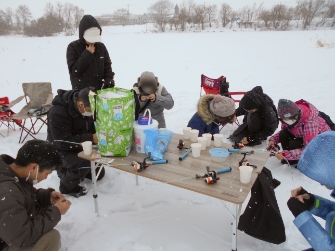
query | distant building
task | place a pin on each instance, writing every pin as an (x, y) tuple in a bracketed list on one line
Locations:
[(176, 11)]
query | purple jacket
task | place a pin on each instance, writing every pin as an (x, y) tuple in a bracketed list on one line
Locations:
[(309, 126)]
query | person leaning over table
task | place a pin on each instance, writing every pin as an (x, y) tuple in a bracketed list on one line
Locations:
[(213, 111)]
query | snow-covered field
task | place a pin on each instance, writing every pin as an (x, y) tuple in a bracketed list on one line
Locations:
[(156, 216)]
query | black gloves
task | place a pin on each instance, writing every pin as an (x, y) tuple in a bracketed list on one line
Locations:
[(297, 207)]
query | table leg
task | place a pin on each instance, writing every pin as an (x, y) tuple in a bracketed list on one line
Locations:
[(95, 190), (237, 212)]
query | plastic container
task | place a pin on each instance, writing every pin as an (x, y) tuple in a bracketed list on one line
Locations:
[(218, 139), (87, 147), (187, 132), (245, 174), (139, 134), (208, 136), (218, 154), (194, 135), (196, 149), (143, 120), (203, 142)]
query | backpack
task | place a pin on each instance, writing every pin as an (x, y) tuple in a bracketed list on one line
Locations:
[(328, 120)]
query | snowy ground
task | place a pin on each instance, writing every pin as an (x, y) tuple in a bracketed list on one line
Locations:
[(155, 216)]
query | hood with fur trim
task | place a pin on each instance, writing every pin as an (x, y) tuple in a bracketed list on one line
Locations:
[(203, 109)]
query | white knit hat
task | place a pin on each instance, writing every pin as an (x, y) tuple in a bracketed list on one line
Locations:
[(92, 35)]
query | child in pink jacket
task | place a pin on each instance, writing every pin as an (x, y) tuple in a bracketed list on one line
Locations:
[(300, 123)]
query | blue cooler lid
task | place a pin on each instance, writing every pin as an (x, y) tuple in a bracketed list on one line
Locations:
[(143, 120), (219, 152)]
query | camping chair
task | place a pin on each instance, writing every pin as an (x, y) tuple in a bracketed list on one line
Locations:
[(38, 97), (217, 86), (6, 113)]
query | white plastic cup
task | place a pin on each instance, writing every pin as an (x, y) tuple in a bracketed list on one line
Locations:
[(196, 149), (187, 132), (194, 135), (245, 174), (208, 136), (87, 147), (203, 142), (218, 139)]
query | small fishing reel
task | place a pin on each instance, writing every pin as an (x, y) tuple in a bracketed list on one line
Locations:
[(237, 145), (211, 176), (272, 153), (244, 163), (181, 145), (141, 166)]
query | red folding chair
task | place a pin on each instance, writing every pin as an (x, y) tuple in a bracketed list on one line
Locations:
[(217, 86), (6, 113)]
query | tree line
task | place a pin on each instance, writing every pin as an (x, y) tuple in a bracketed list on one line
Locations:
[(306, 14), (66, 17), (56, 18)]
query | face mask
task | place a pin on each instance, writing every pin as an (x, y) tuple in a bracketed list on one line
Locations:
[(290, 122), (35, 181), (87, 114)]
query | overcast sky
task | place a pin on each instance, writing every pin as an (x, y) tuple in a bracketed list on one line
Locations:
[(98, 7)]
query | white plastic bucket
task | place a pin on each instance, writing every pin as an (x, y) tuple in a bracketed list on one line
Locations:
[(139, 134)]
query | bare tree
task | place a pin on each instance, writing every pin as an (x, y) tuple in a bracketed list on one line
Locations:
[(161, 10), (4, 27), (265, 16), (9, 16), (211, 12), (68, 12), (225, 14), (59, 9), (23, 14), (199, 16), (77, 16), (332, 13), (121, 16), (189, 6), (278, 14), (247, 15), (309, 9), (49, 9), (182, 18)]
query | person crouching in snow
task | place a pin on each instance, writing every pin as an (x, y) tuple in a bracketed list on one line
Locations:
[(300, 123), (260, 118), (316, 162), (28, 215), (213, 111), (153, 96)]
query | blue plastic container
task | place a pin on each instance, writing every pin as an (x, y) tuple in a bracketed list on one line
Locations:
[(218, 154)]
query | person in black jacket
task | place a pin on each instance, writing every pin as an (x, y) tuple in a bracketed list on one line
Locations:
[(88, 60), (260, 118), (69, 122)]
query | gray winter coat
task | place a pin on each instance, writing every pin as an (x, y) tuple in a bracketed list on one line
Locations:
[(26, 213), (163, 101)]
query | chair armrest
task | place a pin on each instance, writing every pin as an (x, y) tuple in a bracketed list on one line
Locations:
[(14, 102)]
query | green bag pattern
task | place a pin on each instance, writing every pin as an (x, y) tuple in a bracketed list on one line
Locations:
[(114, 120)]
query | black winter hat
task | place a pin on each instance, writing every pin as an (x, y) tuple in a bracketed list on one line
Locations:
[(249, 103), (253, 99)]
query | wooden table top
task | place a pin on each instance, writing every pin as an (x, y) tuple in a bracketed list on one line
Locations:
[(182, 173)]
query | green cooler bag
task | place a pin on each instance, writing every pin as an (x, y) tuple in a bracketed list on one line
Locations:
[(114, 111)]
